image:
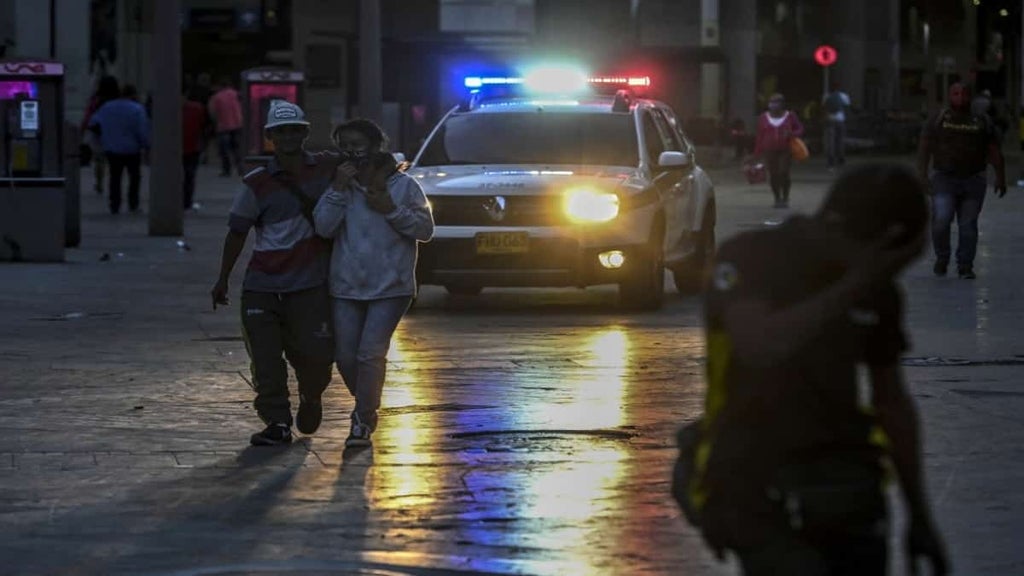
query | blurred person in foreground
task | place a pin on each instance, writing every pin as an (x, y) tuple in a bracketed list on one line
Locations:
[(959, 145), (285, 307), (786, 466), (377, 215)]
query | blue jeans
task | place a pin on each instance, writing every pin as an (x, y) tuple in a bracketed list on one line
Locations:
[(835, 142), (229, 144), (363, 330), (962, 198)]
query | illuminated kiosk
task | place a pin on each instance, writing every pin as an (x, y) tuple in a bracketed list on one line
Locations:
[(261, 86), (33, 195)]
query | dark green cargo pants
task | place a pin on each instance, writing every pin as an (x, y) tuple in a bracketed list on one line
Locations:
[(296, 326)]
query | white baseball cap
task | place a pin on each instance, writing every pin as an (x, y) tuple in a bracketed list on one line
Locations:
[(282, 113)]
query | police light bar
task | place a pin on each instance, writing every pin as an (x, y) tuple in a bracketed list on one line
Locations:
[(481, 81), (632, 81)]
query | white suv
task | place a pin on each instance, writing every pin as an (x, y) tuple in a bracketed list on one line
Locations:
[(565, 191)]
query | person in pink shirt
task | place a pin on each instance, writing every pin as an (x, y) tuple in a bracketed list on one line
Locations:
[(226, 110), (775, 129)]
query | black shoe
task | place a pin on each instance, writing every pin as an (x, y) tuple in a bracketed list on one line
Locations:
[(359, 437), (967, 273), (940, 268), (274, 434), (311, 412)]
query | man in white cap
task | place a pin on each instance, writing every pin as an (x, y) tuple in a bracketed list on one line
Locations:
[(286, 308)]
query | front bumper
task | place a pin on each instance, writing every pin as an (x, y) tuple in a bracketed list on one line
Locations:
[(549, 261)]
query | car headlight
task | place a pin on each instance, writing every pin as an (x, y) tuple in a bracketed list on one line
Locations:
[(585, 205)]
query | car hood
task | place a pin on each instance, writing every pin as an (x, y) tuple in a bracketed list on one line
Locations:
[(523, 180)]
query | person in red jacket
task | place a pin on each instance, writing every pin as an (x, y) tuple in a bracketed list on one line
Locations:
[(775, 129), (193, 125)]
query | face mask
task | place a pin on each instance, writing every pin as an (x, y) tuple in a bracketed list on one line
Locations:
[(358, 157)]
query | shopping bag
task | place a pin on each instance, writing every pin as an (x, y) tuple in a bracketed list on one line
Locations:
[(798, 149)]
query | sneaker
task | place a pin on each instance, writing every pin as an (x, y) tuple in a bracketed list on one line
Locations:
[(940, 268), (967, 273), (274, 434), (359, 437), (311, 411)]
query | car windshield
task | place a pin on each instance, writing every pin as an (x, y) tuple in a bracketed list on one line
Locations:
[(534, 138)]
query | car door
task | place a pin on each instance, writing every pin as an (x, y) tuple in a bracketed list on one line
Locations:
[(676, 187)]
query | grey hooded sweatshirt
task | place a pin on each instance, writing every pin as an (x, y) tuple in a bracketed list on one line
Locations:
[(374, 254)]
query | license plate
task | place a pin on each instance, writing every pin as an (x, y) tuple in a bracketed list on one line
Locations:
[(502, 242)]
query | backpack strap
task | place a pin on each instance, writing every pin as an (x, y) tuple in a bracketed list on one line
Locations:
[(307, 203)]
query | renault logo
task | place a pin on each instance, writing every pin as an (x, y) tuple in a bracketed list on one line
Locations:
[(495, 208)]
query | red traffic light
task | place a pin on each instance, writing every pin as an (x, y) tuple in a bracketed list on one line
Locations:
[(825, 55)]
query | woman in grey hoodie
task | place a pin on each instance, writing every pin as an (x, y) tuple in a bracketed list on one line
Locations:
[(376, 215)]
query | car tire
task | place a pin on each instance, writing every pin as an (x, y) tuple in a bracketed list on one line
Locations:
[(464, 290), (690, 275), (645, 291)]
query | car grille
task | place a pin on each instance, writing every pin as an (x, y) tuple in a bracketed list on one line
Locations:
[(460, 254), (543, 210)]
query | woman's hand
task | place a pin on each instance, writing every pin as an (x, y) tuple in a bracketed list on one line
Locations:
[(343, 175)]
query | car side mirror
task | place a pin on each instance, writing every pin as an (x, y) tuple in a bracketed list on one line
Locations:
[(399, 157), (672, 160)]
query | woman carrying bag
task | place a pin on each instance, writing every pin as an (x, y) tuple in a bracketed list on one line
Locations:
[(777, 130)]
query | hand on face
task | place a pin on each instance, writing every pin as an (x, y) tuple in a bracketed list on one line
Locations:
[(343, 175)]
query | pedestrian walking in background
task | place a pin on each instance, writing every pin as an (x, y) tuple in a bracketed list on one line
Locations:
[(285, 306), (377, 216), (785, 469), (836, 105), (107, 89), (226, 110), (201, 91), (958, 145), (123, 130), (776, 128), (193, 125)]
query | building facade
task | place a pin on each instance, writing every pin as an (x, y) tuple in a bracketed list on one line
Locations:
[(713, 60)]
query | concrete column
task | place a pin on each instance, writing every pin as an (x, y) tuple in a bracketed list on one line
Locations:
[(32, 29), (848, 23), (710, 72), (72, 43), (370, 89), (135, 40), (882, 53), (166, 213), (739, 43)]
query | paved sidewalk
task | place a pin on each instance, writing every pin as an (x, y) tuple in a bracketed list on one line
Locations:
[(126, 411)]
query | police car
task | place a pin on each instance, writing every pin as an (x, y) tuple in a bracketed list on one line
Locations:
[(558, 179)]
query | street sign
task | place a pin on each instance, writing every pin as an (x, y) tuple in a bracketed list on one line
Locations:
[(825, 55)]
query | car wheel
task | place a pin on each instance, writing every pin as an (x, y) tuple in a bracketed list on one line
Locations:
[(646, 290), (464, 290), (689, 276)]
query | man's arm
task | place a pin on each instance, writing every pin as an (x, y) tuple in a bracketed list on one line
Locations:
[(234, 243), (995, 158), (924, 154), (898, 418), (763, 337)]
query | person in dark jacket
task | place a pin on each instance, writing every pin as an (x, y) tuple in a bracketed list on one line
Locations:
[(791, 454), (959, 145)]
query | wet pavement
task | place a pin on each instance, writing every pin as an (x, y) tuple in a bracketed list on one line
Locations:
[(523, 432)]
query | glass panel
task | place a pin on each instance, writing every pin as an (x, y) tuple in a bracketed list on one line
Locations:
[(534, 138)]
